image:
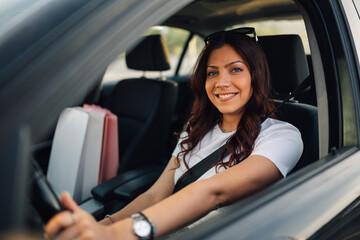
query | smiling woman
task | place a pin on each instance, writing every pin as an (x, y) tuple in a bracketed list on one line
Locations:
[(234, 71), (231, 89)]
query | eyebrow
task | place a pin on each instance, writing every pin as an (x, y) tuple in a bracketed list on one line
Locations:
[(228, 64), (231, 63)]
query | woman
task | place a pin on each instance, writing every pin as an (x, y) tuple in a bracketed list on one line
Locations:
[(231, 85)]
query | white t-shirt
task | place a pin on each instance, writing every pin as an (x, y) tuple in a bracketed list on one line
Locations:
[(278, 141)]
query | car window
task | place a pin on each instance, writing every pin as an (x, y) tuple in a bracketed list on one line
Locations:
[(263, 28), (274, 27), (195, 46), (56, 57), (175, 40)]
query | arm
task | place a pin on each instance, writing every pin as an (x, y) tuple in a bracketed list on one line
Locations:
[(249, 176), (182, 208)]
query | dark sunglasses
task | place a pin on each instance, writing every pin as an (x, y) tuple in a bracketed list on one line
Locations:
[(220, 35)]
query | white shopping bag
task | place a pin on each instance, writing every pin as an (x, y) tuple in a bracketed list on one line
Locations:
[(76, 151)]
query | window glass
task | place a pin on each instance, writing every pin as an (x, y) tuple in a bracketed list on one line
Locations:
[(195, 46), (274, 27), (348, 107), (174, 39), (263, 28)]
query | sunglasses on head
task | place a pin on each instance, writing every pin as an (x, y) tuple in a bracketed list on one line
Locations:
[(221, 34)]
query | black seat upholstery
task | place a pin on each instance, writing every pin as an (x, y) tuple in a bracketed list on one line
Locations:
[(144, 106), (304, 117), (289, 68), (287, 62)]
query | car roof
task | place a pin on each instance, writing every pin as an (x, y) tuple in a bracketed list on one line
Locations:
[(220, 14)]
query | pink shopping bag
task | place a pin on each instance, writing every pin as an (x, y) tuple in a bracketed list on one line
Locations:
[(109, 162)]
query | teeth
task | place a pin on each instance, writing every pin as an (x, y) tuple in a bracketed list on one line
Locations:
[(226, 95)]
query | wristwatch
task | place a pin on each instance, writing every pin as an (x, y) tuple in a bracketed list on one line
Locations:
[(143, 228)]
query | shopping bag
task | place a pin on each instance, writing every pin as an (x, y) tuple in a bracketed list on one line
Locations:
[(74, 163), (109, 162)]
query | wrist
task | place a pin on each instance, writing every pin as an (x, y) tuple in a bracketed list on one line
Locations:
[(106, 221), (109, 232), (123, 229)]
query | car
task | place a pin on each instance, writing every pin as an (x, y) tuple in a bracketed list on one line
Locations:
[(60, 54)]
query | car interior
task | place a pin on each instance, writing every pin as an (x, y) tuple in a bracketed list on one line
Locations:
[(152, 111), (148, 122)]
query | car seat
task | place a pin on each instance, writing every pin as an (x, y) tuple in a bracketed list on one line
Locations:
[(288, 68), (144, 108)]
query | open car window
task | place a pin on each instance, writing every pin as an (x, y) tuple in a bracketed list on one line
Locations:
[(283, 26), (51, 65)]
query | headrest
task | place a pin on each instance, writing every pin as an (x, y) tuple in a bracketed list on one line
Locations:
[(287, 61), (150, 54)]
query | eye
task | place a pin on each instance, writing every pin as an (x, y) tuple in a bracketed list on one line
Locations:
[(211, 73), (236, 70)]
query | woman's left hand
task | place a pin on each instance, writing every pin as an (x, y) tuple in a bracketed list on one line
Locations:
[(75, 223)]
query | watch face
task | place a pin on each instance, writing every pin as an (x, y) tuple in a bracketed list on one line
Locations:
[(142, 228)]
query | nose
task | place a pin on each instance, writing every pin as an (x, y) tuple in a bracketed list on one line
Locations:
[(222, 81)]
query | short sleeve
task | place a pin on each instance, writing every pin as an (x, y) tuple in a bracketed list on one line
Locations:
[(282, 144), (177, 149)]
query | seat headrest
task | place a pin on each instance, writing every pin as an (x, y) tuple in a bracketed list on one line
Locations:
[(150, 54), (287, 61)]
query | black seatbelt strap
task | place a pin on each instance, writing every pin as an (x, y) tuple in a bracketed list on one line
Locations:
[(204, 165), (303, 85), (199, 169)]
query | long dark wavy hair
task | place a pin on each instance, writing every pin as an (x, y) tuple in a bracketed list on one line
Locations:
[(204, 115)]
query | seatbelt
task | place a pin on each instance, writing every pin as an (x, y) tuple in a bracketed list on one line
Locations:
[(198, 169), (302, 86), (204, 165)]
